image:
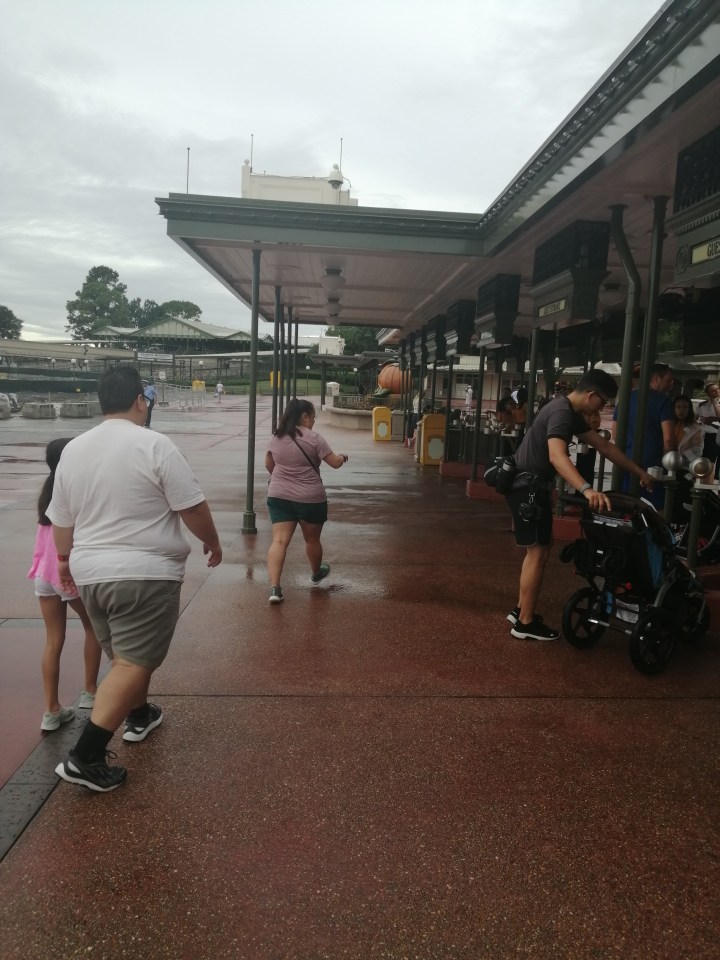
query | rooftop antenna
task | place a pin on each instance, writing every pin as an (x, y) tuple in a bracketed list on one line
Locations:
[(340, 164), (187, 174), (252, 144)]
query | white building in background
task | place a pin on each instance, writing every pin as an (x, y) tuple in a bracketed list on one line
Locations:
[(334, 346), (267, 186)]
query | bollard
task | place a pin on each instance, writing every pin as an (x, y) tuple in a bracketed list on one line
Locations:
[(695, 518), (671, 486)]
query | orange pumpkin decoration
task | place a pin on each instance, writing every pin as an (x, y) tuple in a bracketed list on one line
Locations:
[(391, 378)]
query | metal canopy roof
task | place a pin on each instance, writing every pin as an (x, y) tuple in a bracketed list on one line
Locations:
[(403, 267)]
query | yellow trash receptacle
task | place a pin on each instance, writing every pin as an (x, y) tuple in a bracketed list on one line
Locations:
[(381, 423), (432, 440)]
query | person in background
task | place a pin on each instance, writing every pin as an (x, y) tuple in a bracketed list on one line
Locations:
[(688, 432), (469, 399), (296, 494), (521, 411), (659, 427), (54, 601), (708, 414), (505, 413), (219, 391), (150, 394), (585, 462), (121, 498)]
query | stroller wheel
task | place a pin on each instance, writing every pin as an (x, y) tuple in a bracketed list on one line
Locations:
[(583, 607), (652, 642)]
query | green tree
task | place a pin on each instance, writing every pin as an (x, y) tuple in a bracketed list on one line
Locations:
[(181, 310), (10, 325), (100, 302), (356, 339), (142, 314)]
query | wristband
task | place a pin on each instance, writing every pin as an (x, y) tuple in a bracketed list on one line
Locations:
[(584, 487), (61, 556)]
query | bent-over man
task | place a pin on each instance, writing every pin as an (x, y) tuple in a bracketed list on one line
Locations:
[(121, 497), (543, 453)]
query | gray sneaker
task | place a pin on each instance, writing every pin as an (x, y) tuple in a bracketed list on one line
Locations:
[(86, 701), (276, 595), (51, 721)]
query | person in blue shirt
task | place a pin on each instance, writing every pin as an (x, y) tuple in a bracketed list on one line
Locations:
[(150, 394), (659, 427)]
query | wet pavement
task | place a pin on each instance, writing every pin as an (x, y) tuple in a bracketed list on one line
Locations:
[(374, 768)]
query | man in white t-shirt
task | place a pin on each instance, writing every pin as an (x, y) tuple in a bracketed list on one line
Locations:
[(708, 414), (219, 391), (121, 497)]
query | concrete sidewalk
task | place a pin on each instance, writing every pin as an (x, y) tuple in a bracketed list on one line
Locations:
[(374, 768)]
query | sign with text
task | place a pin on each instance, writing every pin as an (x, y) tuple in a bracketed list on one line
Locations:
[(155, 357), (708, 250), (548, 309)]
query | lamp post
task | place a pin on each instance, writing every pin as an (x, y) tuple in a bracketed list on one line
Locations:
[(73, 364), (356, 379), (307, 379)]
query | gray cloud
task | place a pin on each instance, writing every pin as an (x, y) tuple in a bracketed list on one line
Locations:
[(438, 103)]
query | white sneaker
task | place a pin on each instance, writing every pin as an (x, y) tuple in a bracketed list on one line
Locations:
[(86, 701), (51, 721)]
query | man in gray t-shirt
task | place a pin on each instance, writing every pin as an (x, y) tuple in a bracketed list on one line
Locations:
[(543, 453)]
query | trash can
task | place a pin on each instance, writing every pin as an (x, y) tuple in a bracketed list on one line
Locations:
[(432, 443), (396, 419), (332, 388), (381, 423)]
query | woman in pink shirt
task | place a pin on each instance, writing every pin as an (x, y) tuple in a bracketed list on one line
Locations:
[(296, 494), (53, 606)]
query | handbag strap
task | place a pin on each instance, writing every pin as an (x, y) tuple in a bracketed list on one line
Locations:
[(294, 440)]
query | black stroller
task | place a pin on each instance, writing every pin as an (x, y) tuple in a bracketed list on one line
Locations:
[(637, 584)]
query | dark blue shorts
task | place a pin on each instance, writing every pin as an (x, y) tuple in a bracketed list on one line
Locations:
[(290, 511)]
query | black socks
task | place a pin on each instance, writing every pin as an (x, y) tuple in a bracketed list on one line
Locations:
[(92, 744)]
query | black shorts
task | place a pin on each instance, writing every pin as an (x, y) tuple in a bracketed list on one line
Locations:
[(533, 527), (284, 511)]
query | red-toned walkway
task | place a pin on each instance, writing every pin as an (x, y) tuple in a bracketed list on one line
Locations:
[(374, 768)]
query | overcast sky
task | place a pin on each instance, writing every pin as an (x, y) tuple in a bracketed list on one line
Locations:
[(439, 103)]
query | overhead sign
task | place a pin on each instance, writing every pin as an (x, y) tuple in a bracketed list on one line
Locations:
[(709, 250), (156, 357), (548, 309)]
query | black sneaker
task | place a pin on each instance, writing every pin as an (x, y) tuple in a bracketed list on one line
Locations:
[(536, 630), (276, 595), (321, 574), (137, 730), (96, 776), (514, 616)]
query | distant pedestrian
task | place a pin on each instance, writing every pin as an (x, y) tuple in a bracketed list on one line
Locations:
[(219, 391), (150, 394), (296, 494), (54, 601), (469, 399)]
